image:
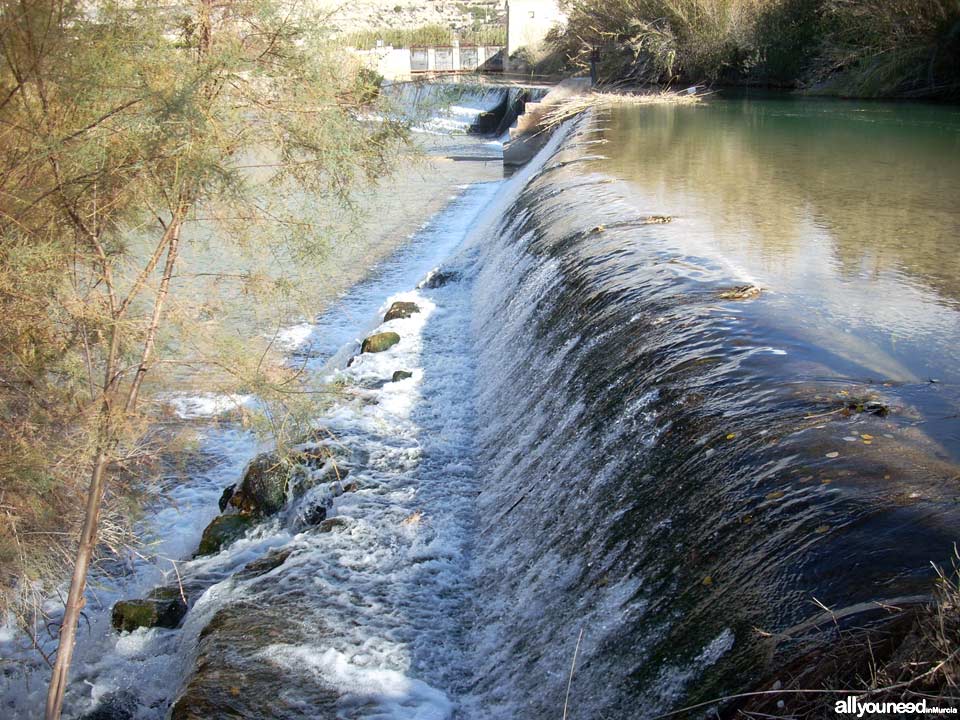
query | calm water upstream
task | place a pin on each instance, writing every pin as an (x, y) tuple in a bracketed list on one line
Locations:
[(689, 371)]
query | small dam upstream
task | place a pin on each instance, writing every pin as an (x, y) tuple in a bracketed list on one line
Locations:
[(608, 411)]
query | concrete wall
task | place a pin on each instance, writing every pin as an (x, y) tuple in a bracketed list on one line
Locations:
[(404, 63), (529, 21)]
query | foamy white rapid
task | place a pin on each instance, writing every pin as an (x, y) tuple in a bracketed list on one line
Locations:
[(402, 551)]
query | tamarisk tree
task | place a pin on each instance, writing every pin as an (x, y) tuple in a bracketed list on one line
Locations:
[(124, 127)]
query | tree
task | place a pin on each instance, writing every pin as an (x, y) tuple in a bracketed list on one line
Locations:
[(124, 123)]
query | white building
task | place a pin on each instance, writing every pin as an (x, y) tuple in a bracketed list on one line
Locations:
[(529, 21)]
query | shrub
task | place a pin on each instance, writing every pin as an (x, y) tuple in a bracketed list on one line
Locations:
[(891, 47)]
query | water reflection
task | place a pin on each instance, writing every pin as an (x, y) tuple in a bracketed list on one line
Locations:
[(847, 213)]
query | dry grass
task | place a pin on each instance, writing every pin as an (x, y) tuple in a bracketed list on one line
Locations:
[(913, 655)]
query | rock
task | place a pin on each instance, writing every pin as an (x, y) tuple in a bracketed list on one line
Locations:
[(166, 592), (402, 375), (439, 278), (401, 310), (230, 679), (263, 490), (331, 524), (132, 614), (266, 481), (351, 487), (741, 292), (115, 706), (261, 566), (225, 497), (315, 515), (223, 531), (380, 342)]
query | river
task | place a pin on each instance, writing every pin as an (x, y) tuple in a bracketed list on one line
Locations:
[(689, 374)]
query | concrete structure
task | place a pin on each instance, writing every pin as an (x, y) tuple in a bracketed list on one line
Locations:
[(404, 63), (529, 21), (527, 136)]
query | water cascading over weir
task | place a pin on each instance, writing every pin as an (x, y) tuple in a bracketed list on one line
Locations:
[(574, 450), (633, 481)]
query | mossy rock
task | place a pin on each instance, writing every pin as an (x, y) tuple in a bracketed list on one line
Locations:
[(379, 342), (223, 531), (263, 490), (129, 615), (400, 311), (402, 375)]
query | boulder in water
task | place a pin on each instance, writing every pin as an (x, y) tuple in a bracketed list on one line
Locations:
[(129, 615), (223, 531), (402, 375), (115, 706), (225, 496), (401, 310), (331, 524), (316, 514), (266, 481), (439, 278), (263, 490), (261, 566), (379, 342)]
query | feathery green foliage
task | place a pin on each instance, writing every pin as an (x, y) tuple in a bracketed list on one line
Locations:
[(137, 140)]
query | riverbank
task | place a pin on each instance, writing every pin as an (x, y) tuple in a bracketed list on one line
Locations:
[(867, 48)]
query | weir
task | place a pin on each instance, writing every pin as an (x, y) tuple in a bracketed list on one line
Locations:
[(599, 440)]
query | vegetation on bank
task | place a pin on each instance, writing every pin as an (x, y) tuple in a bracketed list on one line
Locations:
[(868, 48), (426, 35), (132, 135)]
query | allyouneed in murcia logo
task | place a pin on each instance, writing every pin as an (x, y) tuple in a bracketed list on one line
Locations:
[(853, 706)]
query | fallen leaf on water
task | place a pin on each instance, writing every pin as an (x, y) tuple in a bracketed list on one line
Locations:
[(826, 481), (731, 436), (413, 519), (865, 436), (821, 529), (708, 581), (868, 442), (775, 495), (832, 454)]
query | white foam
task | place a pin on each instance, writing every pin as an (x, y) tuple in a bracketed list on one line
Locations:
[(392, 694)]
